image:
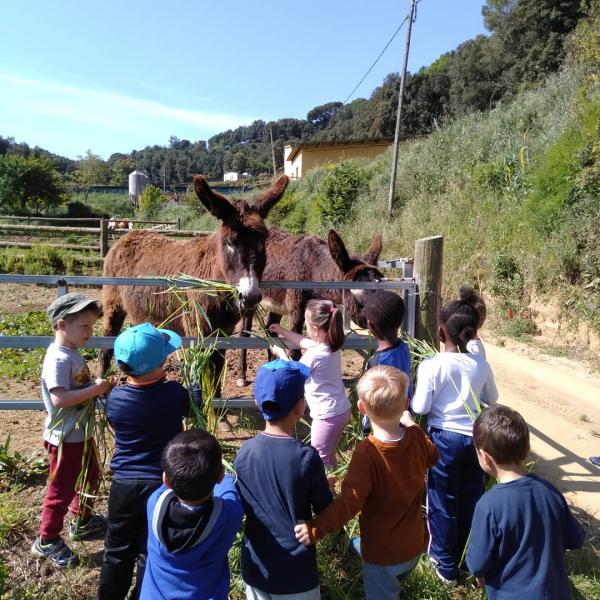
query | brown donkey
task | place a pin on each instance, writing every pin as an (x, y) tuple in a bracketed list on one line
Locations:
[(309, 258), (235, 253)]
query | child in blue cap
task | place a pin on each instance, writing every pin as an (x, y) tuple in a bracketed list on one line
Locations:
[(145, 414), (281, 481)]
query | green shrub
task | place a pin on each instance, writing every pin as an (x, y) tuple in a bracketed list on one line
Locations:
[(151, 201), (342, 186)]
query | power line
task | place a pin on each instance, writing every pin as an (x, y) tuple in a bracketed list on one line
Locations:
[(376, 60)]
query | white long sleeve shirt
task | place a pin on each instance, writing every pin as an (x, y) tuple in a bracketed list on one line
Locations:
[(448, 381)]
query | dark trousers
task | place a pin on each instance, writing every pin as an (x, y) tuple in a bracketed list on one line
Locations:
[(73, 469), (126, 537), (454, 486)]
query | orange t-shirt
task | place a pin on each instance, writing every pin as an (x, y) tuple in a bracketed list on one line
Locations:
[(385, 483)]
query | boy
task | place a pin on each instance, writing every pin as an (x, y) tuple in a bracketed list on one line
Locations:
[(67, 389), (385, 483), (145, 414), (281, 481), (384, 312), (522, 526), (193, 520)]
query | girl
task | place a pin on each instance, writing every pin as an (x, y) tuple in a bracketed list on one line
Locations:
[(324, 390), (450, 387)]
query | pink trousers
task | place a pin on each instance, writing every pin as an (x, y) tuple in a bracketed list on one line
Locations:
[(325, 435)]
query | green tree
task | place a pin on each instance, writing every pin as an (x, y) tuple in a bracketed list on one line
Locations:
[(90, 170), (119, 171), (28, 185), (151, 201)]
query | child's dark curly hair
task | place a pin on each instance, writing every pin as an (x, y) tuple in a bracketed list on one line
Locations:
[(385, 312), (466, 293), (459, 318)]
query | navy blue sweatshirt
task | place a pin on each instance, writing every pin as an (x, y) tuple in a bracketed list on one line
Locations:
[(144, 418), (519, 535), (281, 481)]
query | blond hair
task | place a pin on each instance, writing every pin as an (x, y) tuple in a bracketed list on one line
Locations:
[(382, 390)]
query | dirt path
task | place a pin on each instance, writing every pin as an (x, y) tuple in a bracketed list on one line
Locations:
[(561, 403)]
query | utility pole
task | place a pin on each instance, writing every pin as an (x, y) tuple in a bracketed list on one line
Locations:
[(273, 153), (399, 112)]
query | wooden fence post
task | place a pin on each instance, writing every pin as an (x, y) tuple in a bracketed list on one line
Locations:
[(103, 237), (178, 223), (428, 275)]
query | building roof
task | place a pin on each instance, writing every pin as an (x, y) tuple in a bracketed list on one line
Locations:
[(382, 141)]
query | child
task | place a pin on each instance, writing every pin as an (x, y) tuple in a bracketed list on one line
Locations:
[(384, 312), (324, 389), (281, 481), (193, 520), (450, 385), (145, 414), (522, 526), (67, 389), (385, 483), (468, 294)]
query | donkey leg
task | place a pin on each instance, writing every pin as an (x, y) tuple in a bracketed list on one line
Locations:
[(243, 365), (112, 321), (217, 363), (297, 324)]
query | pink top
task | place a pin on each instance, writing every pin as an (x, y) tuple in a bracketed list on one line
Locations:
[(324, 390)]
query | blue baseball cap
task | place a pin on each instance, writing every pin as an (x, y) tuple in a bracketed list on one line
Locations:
[(144, 347), (278, 386)]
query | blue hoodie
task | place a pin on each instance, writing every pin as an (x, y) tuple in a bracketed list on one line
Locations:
[(187, 549)]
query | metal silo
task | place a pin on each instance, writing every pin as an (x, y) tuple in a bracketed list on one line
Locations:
[(137, 182)]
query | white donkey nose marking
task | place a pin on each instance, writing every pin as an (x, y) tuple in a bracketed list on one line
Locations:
[(248, 286)]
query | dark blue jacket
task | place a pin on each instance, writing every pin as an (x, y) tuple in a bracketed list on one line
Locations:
[(519, 535), (144, 419), (281, 481)]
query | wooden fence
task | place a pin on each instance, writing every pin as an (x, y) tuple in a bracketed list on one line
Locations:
[(102, 232)]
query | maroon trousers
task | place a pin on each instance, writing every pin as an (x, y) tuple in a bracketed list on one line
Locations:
[(65, 481)]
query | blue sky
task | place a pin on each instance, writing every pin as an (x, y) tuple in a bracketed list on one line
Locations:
[(118, 75)]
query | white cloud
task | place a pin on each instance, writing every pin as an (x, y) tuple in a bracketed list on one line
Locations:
[(110, 109)]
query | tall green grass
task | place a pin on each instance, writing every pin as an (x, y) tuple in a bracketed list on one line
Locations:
[(519, 183)]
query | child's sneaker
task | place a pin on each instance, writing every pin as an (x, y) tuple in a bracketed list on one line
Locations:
[(56, 551), (94, 525), (447, 582)]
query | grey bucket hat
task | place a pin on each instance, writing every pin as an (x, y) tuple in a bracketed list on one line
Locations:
[(69, 304)]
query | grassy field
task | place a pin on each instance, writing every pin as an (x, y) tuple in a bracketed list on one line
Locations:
[(22, 487)]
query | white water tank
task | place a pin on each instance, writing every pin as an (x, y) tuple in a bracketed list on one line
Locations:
[(137, 182)]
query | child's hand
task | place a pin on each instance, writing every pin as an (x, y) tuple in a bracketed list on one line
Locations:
[(103, 385), (332, 480), (302, 533), (276, 328), (407, 419)]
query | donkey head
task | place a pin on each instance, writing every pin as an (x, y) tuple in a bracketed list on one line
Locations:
[(241, 237), (354, 268)]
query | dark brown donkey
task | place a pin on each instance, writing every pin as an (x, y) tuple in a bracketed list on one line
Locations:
[(309, 258), (235, 253)]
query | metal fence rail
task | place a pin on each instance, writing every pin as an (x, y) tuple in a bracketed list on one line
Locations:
[(353, 341)]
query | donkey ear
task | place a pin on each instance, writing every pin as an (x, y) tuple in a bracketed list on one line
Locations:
[(373, 251), (216, 204), (269, 199), (338, 251)]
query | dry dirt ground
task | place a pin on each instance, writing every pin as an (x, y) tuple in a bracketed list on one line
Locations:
[(559, 398)]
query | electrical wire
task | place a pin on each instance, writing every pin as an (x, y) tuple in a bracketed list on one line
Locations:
[(380, 54)]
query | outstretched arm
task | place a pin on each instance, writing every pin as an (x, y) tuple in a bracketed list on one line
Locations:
[(291, 336)]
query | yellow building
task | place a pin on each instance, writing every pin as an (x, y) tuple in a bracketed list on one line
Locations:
[(298, 159)]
